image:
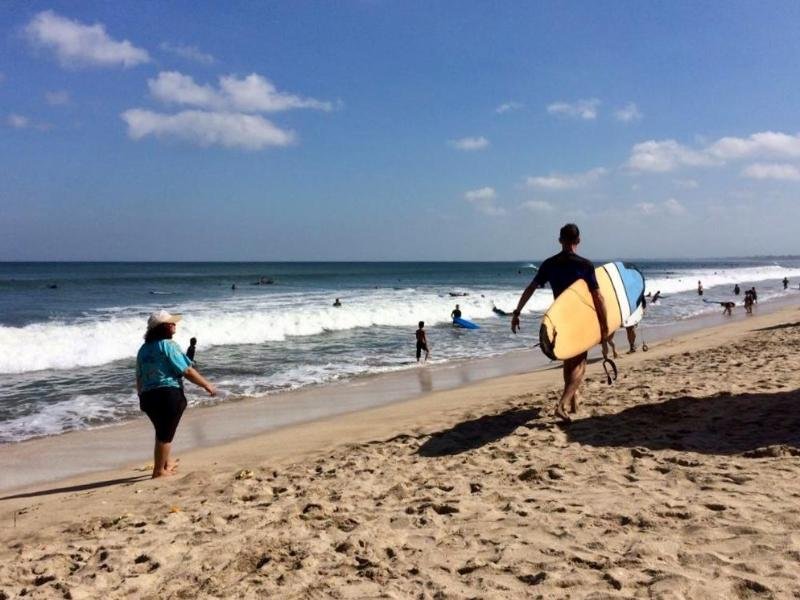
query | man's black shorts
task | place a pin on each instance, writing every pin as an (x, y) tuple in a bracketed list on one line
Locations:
[(164, 406), (420, 348)]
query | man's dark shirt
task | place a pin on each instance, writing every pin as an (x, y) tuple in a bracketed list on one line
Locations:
[(564, 269)]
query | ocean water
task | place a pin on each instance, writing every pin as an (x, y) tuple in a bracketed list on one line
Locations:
[(69, 332)]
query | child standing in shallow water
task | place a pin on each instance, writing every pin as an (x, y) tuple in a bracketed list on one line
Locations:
[(422, 342)]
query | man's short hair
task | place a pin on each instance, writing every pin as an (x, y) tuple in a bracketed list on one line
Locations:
[(569, 234)]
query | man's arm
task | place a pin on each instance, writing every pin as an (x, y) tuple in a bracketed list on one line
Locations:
[(523, 300)]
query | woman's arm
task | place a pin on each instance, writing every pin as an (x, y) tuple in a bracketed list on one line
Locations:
[(194, 376)]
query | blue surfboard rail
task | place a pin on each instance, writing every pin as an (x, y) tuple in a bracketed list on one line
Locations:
[(465, 324)]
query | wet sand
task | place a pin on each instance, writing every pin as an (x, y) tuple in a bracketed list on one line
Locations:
[(678, 481)]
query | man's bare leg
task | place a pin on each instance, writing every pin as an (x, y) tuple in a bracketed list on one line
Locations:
[(161, 462), (574, 370)]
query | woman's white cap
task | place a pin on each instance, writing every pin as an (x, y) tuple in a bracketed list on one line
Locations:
[(160, 317)]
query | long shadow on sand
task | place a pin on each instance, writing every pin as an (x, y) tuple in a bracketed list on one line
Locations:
[(473, 434), (78, 488), (722, 424)]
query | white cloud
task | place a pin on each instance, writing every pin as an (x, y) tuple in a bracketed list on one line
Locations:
[(537, 206), (470, 143), (57, 98), (192, 53), (253, 93), (76, 44), (767, 143), (566, 181), (17, 121), (666, 156), (22, 122), (231, 130), (628, 113), (483, 199), (689, 184), (772, 171), (669, 207), (582, 109), (508, 107)]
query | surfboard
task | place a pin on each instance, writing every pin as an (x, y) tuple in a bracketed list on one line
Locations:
[(570, 325), (465, 324)]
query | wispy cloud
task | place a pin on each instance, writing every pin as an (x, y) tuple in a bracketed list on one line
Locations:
[(253, 93), (469, 144), (508, 107), (628, 113), (231, 130), (560, 181), (537, 206), (57, 98), (670, 207), (772, 171), (484, 200), (76, 44), (582, 109), (192, 53), (666, 155), (18, 121), (669, 155)]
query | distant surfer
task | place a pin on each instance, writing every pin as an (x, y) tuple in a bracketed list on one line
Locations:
[(233, 286), (499, 311), (656, 297), (786, 283), (160, 369), (192, 348), (754, 295), (337, 303), (422, 342), (699, 288), (561, 271), (736, 289), (456, 314)]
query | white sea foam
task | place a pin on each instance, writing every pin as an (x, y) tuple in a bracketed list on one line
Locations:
[(110, 336), (684, 281)]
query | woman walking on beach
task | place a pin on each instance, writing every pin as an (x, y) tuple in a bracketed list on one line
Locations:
[(160, 368)]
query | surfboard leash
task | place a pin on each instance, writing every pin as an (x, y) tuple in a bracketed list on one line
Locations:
[(607, 362)]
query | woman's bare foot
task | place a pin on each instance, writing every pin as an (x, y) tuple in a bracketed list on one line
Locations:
[(162, 473), (559, 412), (172, 465)]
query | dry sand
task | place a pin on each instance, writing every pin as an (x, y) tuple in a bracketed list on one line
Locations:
[(681, 480)]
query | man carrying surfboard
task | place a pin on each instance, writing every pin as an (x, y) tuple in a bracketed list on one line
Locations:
[(561, 271)]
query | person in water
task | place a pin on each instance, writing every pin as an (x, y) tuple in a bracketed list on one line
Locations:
[(748, 302), (456, 314), (656, 296), (422, 342), (736, 289), (160, 369), (699, 289), (785, 283), (727, 308), (337, 303), (192, 348), (561, 271), (754, 295)]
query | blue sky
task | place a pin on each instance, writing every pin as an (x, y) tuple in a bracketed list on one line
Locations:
[(379, 130)]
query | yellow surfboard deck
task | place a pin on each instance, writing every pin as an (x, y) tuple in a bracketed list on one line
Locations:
[(570, 324)]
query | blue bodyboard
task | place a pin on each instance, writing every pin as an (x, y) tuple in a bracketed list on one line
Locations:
[(465, 324)]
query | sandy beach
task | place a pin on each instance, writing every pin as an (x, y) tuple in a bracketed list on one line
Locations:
[(678, 481)]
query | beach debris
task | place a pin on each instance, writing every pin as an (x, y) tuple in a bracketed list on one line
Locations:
[(175, 509), (244, 474)]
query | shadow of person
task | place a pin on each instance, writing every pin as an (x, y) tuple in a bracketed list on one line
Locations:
[(473, 434), (751, 424), (79, 488)]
